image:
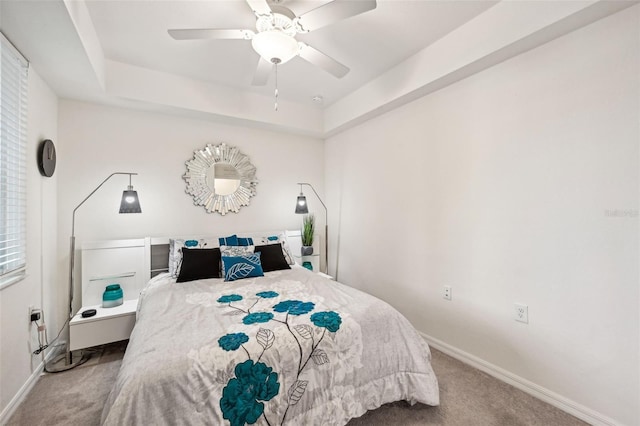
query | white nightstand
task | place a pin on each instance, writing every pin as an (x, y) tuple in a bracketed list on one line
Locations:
[(123, 262), (106, 326), (313, 258)]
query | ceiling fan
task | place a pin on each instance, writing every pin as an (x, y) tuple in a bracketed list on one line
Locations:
[(277, 27)]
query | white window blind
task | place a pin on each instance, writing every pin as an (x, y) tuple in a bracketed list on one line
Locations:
[(13, 159)]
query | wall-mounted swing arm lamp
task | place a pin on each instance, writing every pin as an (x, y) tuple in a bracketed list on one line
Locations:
[(129, 204), (301, 208)]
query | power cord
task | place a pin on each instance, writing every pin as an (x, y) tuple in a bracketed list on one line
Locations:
[(42, 331), (43, 344), (59, 332), (84, 355)]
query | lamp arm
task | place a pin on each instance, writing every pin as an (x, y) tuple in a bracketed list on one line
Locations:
[(326, 226), (314, 191), (73, 219)]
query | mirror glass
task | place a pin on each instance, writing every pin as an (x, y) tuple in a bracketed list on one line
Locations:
[(223, 179), (220, 178)]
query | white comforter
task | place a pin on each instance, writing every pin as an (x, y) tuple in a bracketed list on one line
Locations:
[(288, 348)]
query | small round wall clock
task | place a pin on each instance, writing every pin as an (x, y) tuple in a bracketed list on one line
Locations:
[(47, 158)]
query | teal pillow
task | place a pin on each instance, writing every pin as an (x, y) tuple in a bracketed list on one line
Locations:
[(234, 240), (239, 267), (229, 241)]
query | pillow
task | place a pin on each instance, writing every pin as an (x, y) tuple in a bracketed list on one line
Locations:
[(234, 240), (245, 241), (175, 251), (199, 264), (239, 267), (236, 250), (229, 241), (272, 257), (278, 239)]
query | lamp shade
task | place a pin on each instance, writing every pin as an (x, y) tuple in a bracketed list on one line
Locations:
[(130, 202), (301, 205), (274, 44)]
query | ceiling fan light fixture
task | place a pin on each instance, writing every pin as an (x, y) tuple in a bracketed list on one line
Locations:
[(274, 44)]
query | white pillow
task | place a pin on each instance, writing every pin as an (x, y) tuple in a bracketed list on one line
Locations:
[(236, 250)]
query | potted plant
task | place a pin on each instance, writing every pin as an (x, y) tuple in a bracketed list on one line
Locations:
[(308, 228)]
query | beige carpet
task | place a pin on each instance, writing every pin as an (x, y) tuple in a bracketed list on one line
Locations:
[(468, 397)]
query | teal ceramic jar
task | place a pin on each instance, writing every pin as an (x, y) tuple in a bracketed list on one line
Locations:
[(112, 296)]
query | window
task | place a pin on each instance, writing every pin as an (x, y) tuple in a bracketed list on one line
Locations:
[(13, 164)]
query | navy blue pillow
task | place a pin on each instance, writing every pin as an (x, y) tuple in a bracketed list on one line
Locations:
[(245, 241), (239, 267), (233, 240), (229, 241)]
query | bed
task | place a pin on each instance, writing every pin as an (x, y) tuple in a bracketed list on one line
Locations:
[(288, 347)]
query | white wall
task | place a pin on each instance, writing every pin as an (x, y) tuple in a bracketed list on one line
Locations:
[(18, 337), (100, 140), (518, 184)]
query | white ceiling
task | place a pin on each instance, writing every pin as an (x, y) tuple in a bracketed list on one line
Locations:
[(119, 52), (135, 32)]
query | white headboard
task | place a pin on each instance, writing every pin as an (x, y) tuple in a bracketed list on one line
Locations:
[(124, 262), (131, 263)]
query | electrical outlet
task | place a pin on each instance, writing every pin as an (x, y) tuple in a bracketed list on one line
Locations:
[(34, 314), (447, 292), (521, 313)]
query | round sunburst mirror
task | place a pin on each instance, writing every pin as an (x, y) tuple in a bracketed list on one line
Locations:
[(220, 178)]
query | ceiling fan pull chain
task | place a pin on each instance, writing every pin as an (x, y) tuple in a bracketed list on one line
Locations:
[(276, 61)]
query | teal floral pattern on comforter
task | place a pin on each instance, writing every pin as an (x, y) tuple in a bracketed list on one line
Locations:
[(289, 348), (254, 384)]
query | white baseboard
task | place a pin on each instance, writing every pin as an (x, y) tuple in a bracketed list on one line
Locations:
[(580, 411), (17, 399)]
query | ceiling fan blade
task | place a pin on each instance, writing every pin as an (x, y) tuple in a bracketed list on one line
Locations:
[(262, 72), (200, 34), (331, 12), (323, 61), (259, 7)]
